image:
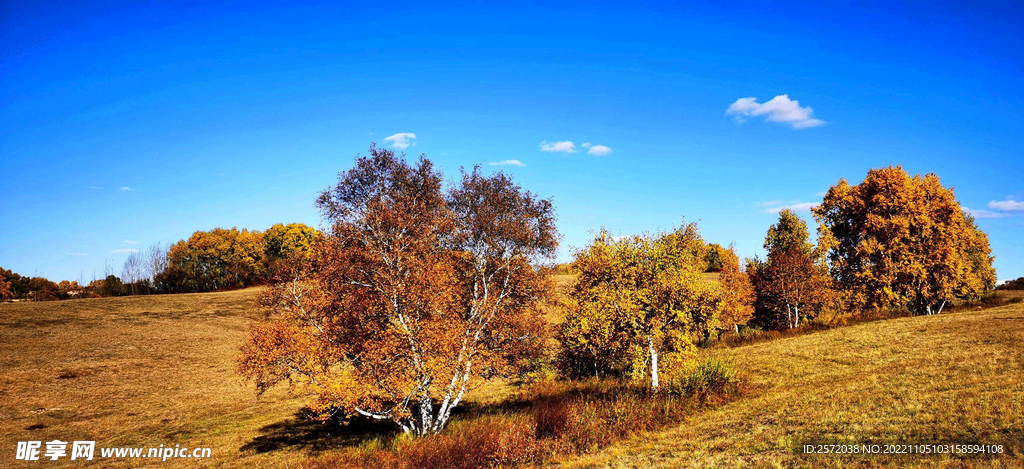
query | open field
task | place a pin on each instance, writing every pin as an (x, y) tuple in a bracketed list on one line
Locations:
[(145, 371), (137, 371)]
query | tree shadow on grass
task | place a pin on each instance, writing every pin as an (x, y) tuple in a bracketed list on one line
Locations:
[(305, 433)]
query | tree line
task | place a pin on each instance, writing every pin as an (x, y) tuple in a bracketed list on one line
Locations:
[(206, 261)]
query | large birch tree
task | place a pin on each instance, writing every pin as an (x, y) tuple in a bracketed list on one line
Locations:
[(413, 295)]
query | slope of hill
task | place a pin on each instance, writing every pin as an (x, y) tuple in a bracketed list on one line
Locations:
[(134, 371), (947, 379), (146, 371)]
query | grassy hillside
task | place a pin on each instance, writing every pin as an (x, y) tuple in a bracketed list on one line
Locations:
[(956, 378), (145, 371)]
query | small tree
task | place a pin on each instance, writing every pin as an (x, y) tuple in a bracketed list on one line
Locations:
[(737, 295), (637, 297), (132, 272), (790, 281), (288, 247), (719, 258), (6, 292), (412, 293), (156, 261)]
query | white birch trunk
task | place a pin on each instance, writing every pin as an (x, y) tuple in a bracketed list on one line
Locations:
[(654, 363)]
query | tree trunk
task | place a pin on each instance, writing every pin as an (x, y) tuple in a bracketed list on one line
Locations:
[(654, 363), (943, 305)]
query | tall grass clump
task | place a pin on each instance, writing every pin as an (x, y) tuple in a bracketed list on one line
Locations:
[(708, 377)]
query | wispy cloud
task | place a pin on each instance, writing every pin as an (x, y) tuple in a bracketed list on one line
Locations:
[(94, 188), (125, 188), (402, 140), (998, 209), (129, 242), (1006, 205), (124, 251), (797, 207), (506, 163), (780, 109), (982, 213), (558, 147), (599, 150), (77, 254)]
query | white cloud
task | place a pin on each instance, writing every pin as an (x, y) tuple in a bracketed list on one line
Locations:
[(124, 251), (780, 109), (77, 254), (797, 207), (587, 145), (558, 147), (599, 150), (125, 188), (506, 163), (402, 140), (94, 188), (982, 213), (1007, 205)]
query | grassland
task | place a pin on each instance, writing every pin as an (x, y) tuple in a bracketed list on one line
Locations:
[(145, 371), (953, 378), (140, 371)]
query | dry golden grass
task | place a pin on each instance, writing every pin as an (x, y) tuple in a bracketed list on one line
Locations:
[(137, 371), (953, 378)]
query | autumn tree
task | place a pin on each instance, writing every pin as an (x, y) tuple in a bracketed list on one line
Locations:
[(215, 259), (288, 247), (896, 240), (5, 289), (415, 292), (1016, 284), (635, 299), (738, 297), (719, 258), (791, 283)]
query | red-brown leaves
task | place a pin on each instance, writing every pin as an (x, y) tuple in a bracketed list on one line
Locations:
[(411, 294)]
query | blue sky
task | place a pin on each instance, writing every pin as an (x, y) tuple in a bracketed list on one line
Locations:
[(126, 125)]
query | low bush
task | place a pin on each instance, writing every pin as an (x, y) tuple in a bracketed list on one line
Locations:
[(706, 378)]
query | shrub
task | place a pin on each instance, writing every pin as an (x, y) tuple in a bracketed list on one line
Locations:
[(707, 377)]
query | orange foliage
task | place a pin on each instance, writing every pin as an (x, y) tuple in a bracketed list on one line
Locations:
[(737, 295), (5, 289), (412, 294), (897, 240)]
